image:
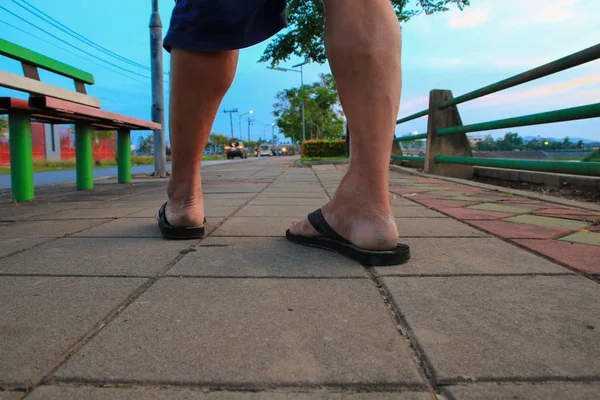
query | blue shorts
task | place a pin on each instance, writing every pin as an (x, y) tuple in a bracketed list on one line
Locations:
[(216, 25)]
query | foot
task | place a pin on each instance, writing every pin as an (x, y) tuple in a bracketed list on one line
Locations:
[(365, 221), (185, 212)]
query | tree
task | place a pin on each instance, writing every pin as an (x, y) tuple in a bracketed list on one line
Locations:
[(146, 144), (304, 38), (323, 115), (217, 139)]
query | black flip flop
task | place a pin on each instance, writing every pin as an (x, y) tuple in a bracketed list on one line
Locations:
[(174, 232), (332, 241)]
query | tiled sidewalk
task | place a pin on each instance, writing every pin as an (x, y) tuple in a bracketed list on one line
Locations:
[(95, 305), (565, 234)]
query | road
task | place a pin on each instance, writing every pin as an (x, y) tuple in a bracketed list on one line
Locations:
[(67, 176)]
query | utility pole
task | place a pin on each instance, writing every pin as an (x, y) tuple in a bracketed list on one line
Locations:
[(158, 99), (250, 122), (230, 112)]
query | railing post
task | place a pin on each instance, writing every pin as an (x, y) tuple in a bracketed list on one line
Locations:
[(124, 156), (21, 156), (396, 150), (450, 145), (84, 162)]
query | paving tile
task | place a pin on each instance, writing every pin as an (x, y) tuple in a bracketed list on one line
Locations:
[(434, 227), (235, 188), (88, 213), (249, 226), (285, 211), (294, 195), (524, 391), (414, 211), (168, 393), (501, 208), (12, 245), (135, 228), (464, 256), (43, 317), (263, 257), (210, 209), (548, 222), (6, 395), (471, 214), (580, 215), (439, 204), (46, 229), (509, 327), (509, 230), (473, 198), (17, 212), (227, 196), (581, 257), (253, 331), (95, 256), (402, 190), (288, 201), (583, 238)]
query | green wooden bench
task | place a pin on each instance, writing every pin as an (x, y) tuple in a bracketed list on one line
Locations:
[(54, 105)]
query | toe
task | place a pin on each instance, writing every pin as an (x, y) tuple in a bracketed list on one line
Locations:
[(303, 228)]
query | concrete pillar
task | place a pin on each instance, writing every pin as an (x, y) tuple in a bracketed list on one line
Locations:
[(448, 145)]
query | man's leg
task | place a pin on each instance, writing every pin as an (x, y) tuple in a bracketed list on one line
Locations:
[(199, 80), (363, 44)]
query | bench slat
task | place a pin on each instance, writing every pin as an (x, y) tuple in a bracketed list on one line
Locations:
[(21, 83), (79, 111), (17, 52)]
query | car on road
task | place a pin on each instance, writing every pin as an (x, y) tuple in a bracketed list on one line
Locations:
[(265, 150), (236, 149)]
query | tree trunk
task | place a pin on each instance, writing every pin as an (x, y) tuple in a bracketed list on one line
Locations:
[(347, 141)]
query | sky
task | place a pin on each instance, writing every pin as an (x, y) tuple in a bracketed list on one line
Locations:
[(459, 51)]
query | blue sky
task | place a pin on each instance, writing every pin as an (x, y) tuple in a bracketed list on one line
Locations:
[(460, 51)]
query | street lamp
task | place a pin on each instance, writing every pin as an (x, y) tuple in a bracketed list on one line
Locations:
[(301, 71), (240, 122)]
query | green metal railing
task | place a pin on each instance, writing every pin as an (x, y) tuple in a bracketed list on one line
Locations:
[(567, 114)]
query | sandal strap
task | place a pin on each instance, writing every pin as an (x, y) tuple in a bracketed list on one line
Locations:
[(317, 220)]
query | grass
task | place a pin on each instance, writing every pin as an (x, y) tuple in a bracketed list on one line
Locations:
[(45, 166), (323, 158)]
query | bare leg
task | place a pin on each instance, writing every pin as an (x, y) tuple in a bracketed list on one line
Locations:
[(364, 48), (198, 83)]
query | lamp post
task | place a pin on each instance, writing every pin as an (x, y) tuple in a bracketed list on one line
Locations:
[(158, 102), (240, 122), (301, 71), (250, 122)]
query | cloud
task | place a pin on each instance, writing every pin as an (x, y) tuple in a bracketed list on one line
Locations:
[(413, 105), (468, 18), (532, 12)]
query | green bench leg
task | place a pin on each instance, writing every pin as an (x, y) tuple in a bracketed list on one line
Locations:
[(124, 156), (21, 156), (83, 156)]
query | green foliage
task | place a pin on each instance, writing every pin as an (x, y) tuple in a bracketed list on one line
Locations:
[(593, 157), (323, 148), (218, 139), (146, 143), (512, 141), (304, 38), (323, 115)]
